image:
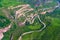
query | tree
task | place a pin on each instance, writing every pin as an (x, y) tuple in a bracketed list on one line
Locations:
[(0, 3)]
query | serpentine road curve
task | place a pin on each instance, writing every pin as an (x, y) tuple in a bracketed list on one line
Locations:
[(20, 38)]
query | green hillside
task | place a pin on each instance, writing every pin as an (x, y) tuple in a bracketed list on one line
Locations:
[(51, 19)]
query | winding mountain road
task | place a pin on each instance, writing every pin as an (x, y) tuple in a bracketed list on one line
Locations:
[(20, 38)]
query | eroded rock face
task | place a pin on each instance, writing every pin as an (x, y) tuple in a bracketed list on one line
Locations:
[(21, 24), (1, 35), (3, 30)]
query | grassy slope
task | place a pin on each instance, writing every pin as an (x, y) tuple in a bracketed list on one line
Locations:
[(7, 3)]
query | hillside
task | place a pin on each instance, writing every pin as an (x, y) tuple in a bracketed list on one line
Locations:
[(29, 20)]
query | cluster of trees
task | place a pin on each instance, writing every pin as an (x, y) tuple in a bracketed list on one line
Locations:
[(7, 3), (19, 30), (4, 21), (0, 3)]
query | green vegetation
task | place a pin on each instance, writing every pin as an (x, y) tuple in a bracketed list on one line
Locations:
[(7, 3), (51, 32), (52, 20), (4, 21), (36, 25), (33, 36)]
